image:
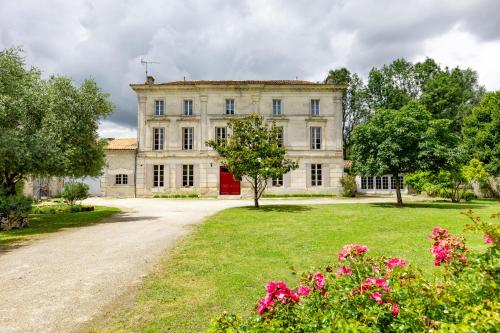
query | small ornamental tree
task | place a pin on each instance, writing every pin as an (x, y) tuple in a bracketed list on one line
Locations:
[(254, 151), (396, 141), (73, 192)]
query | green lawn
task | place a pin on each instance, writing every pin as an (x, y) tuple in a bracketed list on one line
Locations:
[(47, 223), (226, 262)]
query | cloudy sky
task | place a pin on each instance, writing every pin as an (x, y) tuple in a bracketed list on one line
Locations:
[(216, 39)]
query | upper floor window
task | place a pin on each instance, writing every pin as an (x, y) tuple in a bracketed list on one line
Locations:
[(187, 138), (276, 107), (230, 106), (188, 107), (159, 107), (187, 175), (316, 175), (279, 136), (314, 107), (220, 133), (158, 138), (121, 179), (278, 181), (315, 138), (158, 175)]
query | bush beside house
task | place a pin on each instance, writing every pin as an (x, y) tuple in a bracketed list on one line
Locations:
[(73, 192)]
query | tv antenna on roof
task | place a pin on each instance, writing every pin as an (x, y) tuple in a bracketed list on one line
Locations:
[(145, 63)]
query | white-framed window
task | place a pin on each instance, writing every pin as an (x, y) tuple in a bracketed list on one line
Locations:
[(187, 175), (385, 182), (315, 138), (393, 183), (158, 138), (370, 183), (121, 179), (220, 133), (314, 107), (187, 138), (159, 107), (229, 106), (401, 183), (316, 176), (278, 181), (188, 107), (363, 183), (279, 137), (158, 175), (276, 107), (378, 183)]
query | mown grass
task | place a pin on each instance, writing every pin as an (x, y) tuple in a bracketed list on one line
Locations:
[(225, 263), (48, 223)]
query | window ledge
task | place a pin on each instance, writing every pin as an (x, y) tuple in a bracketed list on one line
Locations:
[(188, 118), (157, 118), (316, 118)]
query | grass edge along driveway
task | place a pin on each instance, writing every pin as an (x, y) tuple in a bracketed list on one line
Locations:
[(226, 262), (49, 223)]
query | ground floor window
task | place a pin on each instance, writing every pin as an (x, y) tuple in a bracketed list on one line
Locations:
[(187, 175), (393, 183), (363, 183), (278, 181), (370, 183), (385, 182), (401, 182), (158, 175), (121, 179), (378, 183), (316, 176)]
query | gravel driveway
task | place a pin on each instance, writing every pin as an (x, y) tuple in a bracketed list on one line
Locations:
[(65, 279)]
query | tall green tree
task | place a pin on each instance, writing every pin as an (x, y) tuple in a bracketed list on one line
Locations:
[(47, 127), (481, 132), (354, 104), (253, 152), (401, 141)]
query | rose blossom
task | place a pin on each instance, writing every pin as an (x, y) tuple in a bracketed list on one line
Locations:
[(395, 309), (343, 270), (319, 279), (396, 262), (487, 239), (303, 291)]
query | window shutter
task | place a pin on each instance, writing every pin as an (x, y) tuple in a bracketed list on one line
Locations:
[(287, 179), (325, 170), (178, 175), (196, 175), (308, 175)]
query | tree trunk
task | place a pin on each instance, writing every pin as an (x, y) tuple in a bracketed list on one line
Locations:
[(255, 193), (8, 187), (398, 190)]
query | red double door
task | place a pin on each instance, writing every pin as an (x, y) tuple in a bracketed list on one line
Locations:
[(228, 185)]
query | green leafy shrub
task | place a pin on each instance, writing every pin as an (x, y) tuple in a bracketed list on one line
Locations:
[(297, 195), (176, 195), (348, 183), (419, 180), (15, 205), (61, 208), (368, 294), (75, 191)]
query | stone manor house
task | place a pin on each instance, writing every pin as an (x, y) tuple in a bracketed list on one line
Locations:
[(175, 119)]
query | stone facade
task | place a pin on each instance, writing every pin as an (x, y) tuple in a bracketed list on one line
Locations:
[(163, 106)]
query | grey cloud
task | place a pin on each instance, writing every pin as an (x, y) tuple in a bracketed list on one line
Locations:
[(226, 39)]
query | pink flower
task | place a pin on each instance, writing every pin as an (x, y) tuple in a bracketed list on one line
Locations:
[(350, 251), (276, 290), (395, 309), (343, 270), (487, 239), (265, 304), (319, 279), (438, 233), (377, 297), (374, 282), (396, 262), (303, 291)]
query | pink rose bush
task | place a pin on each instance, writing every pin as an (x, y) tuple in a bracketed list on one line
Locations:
[(364, 294)]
